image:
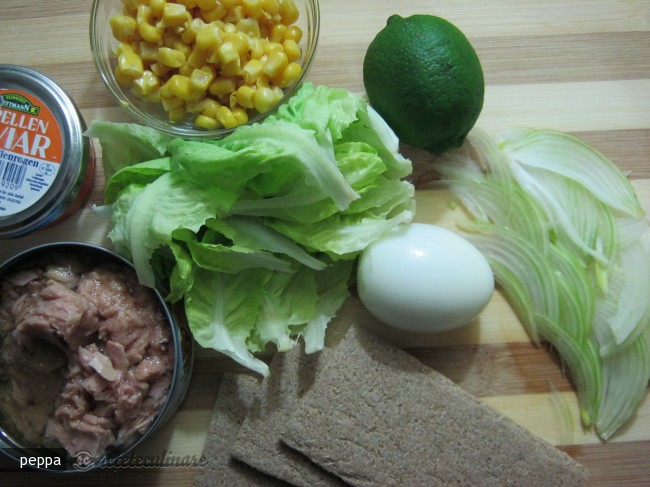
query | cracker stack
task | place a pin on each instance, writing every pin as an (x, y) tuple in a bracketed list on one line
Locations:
[(368, 414)]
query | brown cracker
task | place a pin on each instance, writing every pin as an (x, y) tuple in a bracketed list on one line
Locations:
[(236, 394), (376, 416), (258, 443)]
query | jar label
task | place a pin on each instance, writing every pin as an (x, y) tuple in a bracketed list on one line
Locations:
[(31, 150)]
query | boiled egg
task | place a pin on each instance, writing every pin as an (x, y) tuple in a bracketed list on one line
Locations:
[(424, 278)]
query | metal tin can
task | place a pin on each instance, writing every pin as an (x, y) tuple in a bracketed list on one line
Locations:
[(183, 349), (47, 166)]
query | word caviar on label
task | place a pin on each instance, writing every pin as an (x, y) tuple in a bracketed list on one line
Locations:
[(22, 130)]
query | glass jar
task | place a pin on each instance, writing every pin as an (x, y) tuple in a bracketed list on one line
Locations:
[(47, 166)]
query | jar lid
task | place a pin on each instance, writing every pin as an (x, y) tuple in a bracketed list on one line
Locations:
[(42, 149)]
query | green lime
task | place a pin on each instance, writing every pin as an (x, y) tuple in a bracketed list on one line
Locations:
[(425, 79)]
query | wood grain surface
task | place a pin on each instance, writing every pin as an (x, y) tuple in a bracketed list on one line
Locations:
[(578, 66)]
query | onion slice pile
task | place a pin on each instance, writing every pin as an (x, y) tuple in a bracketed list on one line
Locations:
[(568, 244)]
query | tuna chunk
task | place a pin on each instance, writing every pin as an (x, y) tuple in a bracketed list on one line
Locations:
[(117, 355), (91, 358), (88, 435), (151, 368), (56, 312)]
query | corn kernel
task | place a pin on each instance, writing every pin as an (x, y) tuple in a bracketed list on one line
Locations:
[(123, 47), (275, 64), (130, 64), (271, 6), (160, 70), (157, 7), (121, 78), (124, 28), (170, 38), (179, 45), (235, 14), (205, 106), (256, 47), (244, 96), (153, 97), (227, 52), (293, 33), (292, 50), (206, 122), (263, 99), (270, 46), (249, 27), (200, 79), (146, 84), (208, 37), (228, 27), (232, 68), (181, 87), (143, 15), (170, 102), (230, 4), (277, 33), (253, 8), (131, 6), (240, 115), (174, 14), (239, 40), (213, 58), (188, 36), (171, 57), (211, 107), (206, 4), (195, 106), (177, 114), (288, 12), (213, 14), (222, 86), (150, 33), (226, 118), (197, 58), (165, 92), (263, 82), (290, 74), (186, 70), (148, 51), (252, 70)]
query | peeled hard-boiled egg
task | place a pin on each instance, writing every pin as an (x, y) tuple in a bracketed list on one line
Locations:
[(424, 278)]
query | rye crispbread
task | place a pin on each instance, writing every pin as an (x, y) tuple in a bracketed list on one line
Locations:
[(376, 416), (236, 393), (258, 442)]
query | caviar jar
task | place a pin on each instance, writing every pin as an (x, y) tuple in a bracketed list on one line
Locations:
[(47, 166)]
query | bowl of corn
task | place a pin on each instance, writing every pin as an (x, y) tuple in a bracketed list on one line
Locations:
[(201, 68)]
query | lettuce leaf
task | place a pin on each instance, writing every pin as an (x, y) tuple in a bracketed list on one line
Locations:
[(257, 233), (222, 310), (124, 144)]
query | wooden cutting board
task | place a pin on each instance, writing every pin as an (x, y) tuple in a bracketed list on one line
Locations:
[(564, 64), (491, 358)]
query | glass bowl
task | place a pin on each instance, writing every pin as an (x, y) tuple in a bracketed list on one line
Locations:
[(45, 346), (151, 113)]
